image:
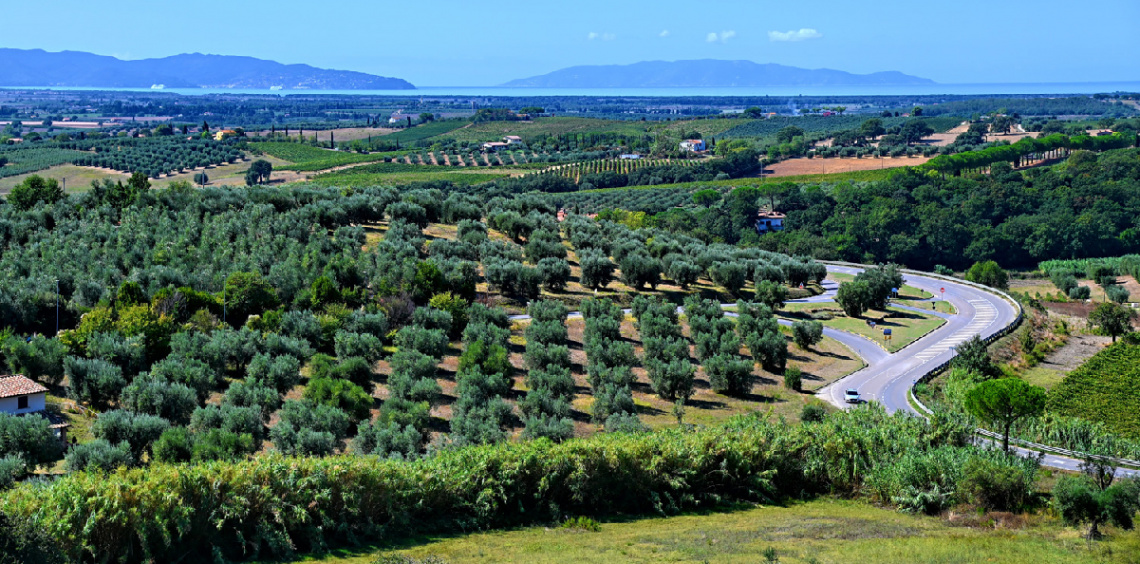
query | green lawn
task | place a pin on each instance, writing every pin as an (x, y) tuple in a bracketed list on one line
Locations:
[(823, 531), (906, 327), (908, 292), (936, 305), (1044, 377)]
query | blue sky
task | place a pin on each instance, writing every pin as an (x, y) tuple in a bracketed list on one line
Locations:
[(454, 43)]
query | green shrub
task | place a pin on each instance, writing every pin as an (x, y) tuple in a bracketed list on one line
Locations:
[(813, 413), (994, 484), (729, 374), (98, 455), (341, 394), (12, 468), (581, 524), (793, 378), (29, 438)]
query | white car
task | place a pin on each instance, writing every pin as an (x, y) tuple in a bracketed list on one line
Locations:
[(851, 395)]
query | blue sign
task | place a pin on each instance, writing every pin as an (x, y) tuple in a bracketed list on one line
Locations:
[(886, 331)]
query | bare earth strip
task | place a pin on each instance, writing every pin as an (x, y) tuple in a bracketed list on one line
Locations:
[(803, 165)]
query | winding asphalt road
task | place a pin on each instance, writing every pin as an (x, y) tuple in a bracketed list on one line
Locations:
[(888, 378)]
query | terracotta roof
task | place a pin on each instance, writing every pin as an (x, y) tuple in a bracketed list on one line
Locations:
[(19, 385)]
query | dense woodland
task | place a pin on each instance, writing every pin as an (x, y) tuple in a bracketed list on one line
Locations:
[(1086, 207)]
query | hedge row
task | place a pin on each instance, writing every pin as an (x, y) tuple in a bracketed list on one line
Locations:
[(276, 505)]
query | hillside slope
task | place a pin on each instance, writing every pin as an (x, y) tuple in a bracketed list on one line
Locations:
[(36, 67)]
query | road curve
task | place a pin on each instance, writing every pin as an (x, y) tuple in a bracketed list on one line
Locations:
[(889, 381), (888, 378)]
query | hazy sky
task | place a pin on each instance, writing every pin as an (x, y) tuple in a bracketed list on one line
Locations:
[(454, 43)]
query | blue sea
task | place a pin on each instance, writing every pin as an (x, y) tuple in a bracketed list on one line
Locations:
[(498, 91)]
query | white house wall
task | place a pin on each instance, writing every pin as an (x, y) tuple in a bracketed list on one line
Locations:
[(36, 402)]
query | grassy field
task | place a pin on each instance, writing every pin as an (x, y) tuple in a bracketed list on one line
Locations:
[(75, 178), (1044, 377), (379, 174), (306, 158), (426, 131), (823, 531), (706, 127)]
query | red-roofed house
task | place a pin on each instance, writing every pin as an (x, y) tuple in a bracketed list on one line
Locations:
[(20, 395), (769, 220)]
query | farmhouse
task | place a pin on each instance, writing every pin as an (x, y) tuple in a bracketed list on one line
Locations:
[(768, 220), (693, 145), (22, 396), (494, 146), (512, 139), (223, 134), (630, 157)]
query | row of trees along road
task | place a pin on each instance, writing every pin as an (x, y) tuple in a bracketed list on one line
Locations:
[(1040, 148)]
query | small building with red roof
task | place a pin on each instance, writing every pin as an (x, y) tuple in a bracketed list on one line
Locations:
[(20, 394)]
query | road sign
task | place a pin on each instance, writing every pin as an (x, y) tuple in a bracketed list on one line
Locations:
[(942, 290), (887, 331)]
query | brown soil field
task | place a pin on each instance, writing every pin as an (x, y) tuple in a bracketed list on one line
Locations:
[(944, 139), (1075, 352), (1011, 137), (804, 165)]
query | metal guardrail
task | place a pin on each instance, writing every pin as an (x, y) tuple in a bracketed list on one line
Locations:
[(1057, 450), (933, 372)]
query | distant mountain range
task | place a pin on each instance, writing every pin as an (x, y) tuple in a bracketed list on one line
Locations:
[(708, 73), (35, 67)]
